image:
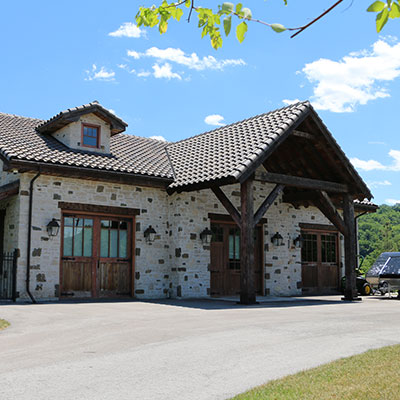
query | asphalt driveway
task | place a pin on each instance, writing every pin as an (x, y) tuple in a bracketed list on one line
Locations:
[(179, 349)]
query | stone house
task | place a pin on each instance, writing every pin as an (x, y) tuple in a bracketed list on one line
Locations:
[(94, 212)]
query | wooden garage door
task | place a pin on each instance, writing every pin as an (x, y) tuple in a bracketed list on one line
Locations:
[(225, 260), (320, 262), (96, 256)]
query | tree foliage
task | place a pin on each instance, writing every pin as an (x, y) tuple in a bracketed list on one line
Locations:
[(379, 232), (212, 22)]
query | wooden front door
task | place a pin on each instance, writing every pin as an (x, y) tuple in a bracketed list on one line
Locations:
[(320, 262), (225, 260), (96, 256)]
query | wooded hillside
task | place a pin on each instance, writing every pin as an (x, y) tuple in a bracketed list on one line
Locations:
[(379, 232)]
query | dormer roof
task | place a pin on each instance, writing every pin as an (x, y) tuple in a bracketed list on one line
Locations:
[(117, 125)]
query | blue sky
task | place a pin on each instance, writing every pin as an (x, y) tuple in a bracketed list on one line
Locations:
[(57, 55)]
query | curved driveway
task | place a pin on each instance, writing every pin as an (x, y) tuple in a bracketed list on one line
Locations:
[(186, 350)]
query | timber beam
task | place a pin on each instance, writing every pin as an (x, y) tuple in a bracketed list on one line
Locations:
[(233, 212), (303, 135), (303, 183), (8, 190), (350, 249), (247, 288), (267, 203), (325, 205)]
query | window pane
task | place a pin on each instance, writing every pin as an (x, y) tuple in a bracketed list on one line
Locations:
[(105, 224), (104, 242), (237, 246), (68, 221), (88, 222), (90, 136), (123, 225), (88, 240), (78, 222), (123, 244), (114, 224), (89, 141), (231, 245), (309, 249), (78, 240), (113, 243), (67, 251)]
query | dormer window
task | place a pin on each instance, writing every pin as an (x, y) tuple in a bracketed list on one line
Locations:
[(91, 135)]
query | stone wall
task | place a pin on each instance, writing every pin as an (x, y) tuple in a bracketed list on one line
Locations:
[(177, 262)]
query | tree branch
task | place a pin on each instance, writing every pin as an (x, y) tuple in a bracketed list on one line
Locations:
[(302, 28)]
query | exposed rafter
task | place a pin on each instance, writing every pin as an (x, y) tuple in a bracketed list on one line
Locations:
[(304, 183)]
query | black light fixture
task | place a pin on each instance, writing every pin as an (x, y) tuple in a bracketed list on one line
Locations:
[(298, 242), (206, 236), (150, 234), (277, 239), (53, 227)]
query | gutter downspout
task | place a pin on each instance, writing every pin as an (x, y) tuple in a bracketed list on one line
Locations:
[(28, 256)]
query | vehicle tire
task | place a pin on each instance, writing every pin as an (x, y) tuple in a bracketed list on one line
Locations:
[(366, 290), (383, 288)]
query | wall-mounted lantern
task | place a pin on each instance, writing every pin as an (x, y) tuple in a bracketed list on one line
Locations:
[(150, 234), (206, 236), (298, 242), (53, 227), (277, 239)]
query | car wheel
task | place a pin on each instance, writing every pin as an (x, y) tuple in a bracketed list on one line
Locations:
[(383, 288), (367, 290)]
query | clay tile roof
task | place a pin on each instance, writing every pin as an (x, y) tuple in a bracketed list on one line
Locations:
[(65, 117), (19, 139), (365, 204), (226, 152)]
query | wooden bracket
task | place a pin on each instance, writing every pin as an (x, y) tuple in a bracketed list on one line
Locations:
[(232, 210), (267, 203), (325, 205)]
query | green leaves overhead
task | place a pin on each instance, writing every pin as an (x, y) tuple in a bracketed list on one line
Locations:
[(241, 30), (390, 9), (227, 13), (376, 6)]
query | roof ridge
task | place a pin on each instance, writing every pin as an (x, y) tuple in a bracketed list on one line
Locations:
[(20, 116), (145, 137), (305, 102)]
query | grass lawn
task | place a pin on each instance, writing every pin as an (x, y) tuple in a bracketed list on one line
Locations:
[(3, 324), (374, 375)]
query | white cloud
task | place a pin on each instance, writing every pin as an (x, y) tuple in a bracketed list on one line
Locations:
[(392, 202), (214, 119), (191, 61), (127, 29), (165, 71), (134, 54), (100, 74), (356, 79), (376, 165), (162, 138), (290, 102), (375, 184), (143, 74), (366, 165)]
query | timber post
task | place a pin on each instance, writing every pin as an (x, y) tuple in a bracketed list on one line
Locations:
[(350, 243), (247, 288)]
